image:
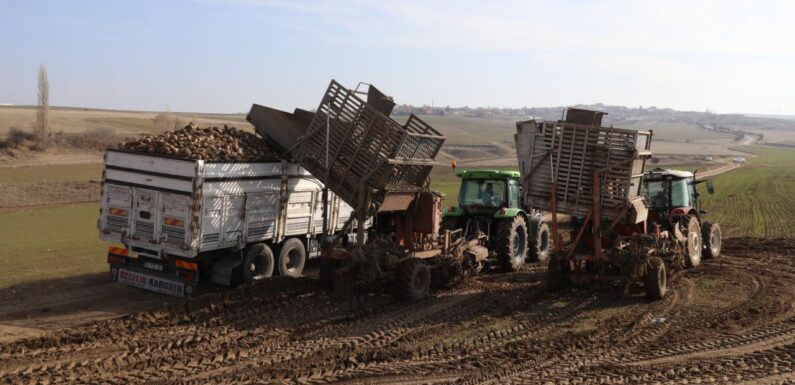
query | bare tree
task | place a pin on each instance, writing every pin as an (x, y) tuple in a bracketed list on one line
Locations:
[(43, 108)]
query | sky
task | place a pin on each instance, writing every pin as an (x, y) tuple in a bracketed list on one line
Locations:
[(224, 55)]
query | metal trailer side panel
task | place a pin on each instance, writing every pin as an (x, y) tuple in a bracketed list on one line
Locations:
[(214, 206), (147, 163), (244, 211)]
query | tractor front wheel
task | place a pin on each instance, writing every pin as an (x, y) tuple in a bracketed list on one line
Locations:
[(413, 279), (512, 243), (693, 242), (712, 240), (656, 281)]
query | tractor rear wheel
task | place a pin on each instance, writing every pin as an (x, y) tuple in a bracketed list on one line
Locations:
[(712, 240), (656, 281), (693, 242), (511, 243), (413, 279), (539, 248)]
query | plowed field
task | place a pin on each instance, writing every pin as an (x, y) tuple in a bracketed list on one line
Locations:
[(730, 320)]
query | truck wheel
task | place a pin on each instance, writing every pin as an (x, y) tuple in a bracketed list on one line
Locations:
[(693, 242), (539, 249), (413, 279), (257, 264), (512, 243), (557, 274), (655, 282), (292, 258), (712, 240)]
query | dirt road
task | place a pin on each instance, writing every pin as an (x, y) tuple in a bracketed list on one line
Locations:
[(730, 320), (717, 170)]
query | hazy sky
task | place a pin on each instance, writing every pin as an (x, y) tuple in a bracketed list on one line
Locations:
[(223, 55)]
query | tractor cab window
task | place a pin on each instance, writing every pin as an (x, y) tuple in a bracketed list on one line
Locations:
[(513, 187), (680, 193), (658, 193), (669, 193), (482, 192)]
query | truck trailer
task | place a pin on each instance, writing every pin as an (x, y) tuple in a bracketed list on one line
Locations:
[(179, 222)]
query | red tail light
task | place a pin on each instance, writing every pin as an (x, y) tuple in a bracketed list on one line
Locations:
[(185, 275), (117, 259)]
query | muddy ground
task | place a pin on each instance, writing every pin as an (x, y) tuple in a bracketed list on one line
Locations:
[(731, 320)]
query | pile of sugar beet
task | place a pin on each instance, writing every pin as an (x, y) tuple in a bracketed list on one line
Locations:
[(213, 144)]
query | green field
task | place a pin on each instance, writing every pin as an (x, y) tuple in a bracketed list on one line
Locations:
[(756, 200), (43, 243), (51, 173)]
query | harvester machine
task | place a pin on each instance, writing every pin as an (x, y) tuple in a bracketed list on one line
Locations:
[(381, 168), (593, 175)]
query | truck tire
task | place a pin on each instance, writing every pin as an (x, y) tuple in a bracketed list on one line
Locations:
[(539, 248), (656, 281), (693, 246), (511, 243), (712, 240), (292, 258), (413, 279), (257, 264)]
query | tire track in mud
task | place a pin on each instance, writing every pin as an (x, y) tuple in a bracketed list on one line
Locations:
[(729, 320)]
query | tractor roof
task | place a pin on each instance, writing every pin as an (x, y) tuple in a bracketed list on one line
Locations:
[(488, 174), (659, 172)]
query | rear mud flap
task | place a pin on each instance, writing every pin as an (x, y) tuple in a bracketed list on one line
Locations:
[(223, 269)]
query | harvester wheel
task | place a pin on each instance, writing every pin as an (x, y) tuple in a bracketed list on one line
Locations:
[(539, 248), (557, 274), (447, 274), (413, 279), (292, 258), (512, 243), (693, 242), (712, 240), (656, 281)]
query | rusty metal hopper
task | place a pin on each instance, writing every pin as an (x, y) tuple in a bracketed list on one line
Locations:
[(279, 128)]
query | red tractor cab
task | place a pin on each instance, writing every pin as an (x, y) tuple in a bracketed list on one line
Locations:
[(674, 206)]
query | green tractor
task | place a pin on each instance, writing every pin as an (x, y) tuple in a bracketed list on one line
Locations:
[(489, 213)]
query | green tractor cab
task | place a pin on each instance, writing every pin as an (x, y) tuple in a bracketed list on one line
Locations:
[(490, 212)]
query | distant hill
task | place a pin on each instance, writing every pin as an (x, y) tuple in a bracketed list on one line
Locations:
[(477, 136)]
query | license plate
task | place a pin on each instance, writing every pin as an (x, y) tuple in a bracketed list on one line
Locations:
[(147, 282), (153, 266)]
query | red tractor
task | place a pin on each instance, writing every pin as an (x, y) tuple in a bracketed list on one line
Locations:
[(673, 201)]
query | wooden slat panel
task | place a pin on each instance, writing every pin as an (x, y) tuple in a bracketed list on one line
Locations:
[(362, 142), (577, 151)]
